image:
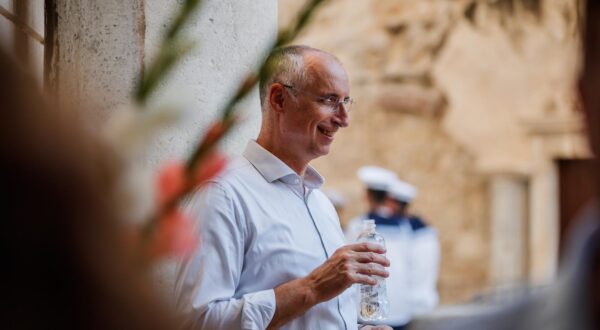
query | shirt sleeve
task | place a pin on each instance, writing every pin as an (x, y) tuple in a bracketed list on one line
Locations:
[(425, 265), (206, 283)]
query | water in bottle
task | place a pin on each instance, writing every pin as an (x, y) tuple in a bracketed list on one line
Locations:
[(373, 298)]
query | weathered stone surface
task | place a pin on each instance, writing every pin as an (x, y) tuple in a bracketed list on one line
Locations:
[(98, 53)]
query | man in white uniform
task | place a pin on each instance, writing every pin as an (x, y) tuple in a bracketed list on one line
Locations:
[(272, 253)]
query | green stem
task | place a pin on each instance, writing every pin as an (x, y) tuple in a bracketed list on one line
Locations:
[(171, 50)]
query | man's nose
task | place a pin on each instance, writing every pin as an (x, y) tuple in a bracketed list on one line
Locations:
[(342, 119)]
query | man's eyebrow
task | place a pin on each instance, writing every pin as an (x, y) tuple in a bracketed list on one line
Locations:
[(331, 94), (334, 94)]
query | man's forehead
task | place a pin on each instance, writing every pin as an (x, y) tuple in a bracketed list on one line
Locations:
[(323, 65)]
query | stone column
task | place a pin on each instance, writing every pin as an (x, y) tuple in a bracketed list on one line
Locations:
[(551, 139), (543, 230), (508, 229), (98, 51)]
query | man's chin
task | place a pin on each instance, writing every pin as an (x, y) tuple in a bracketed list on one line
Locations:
[(322, 150)]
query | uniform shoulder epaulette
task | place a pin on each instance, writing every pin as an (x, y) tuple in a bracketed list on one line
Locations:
[(417, 223)]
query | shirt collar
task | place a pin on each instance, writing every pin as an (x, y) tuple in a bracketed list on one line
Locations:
[(273, 168)]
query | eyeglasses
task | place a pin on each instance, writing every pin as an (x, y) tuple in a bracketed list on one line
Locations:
[(333, 102)]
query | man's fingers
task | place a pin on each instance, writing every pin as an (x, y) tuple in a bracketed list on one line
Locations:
[(375, 327), (366, 247), (364, 279), (372, 257), (372, 269)]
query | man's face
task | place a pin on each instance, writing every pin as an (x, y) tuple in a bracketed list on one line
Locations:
[(308, 124)]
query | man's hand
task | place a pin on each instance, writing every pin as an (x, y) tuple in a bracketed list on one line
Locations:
[(375, 327), (349, 264)]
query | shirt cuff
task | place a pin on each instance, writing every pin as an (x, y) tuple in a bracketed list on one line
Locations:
[(259, 308)]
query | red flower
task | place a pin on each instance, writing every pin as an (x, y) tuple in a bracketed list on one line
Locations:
[(173, 182), (174, 236), (173, 233)]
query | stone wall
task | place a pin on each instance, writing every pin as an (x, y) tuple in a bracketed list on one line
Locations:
[(447, 94)]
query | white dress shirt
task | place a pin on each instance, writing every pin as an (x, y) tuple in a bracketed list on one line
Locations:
[(261, 225)]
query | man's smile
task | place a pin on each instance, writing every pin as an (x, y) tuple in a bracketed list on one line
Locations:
[(327, 132)]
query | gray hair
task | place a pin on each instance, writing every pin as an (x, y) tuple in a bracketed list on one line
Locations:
[(285, 65)]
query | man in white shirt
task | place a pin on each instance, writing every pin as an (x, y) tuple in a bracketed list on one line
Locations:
[(272, 253)]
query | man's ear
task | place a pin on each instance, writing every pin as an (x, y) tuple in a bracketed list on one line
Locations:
[(276, 97)]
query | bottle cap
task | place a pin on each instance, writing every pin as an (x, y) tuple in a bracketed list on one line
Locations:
[(368, 223)]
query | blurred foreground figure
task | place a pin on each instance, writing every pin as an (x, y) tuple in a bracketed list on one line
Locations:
[(412, 246), (573, 301), (65, 259)]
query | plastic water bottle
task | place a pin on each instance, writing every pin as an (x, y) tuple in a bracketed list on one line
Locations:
[(373, 298)]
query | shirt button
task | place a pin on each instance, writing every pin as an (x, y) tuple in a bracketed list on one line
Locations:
[(296, 181)]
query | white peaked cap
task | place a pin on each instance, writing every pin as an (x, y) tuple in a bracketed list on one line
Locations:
[(402, 191), (375, 177)]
